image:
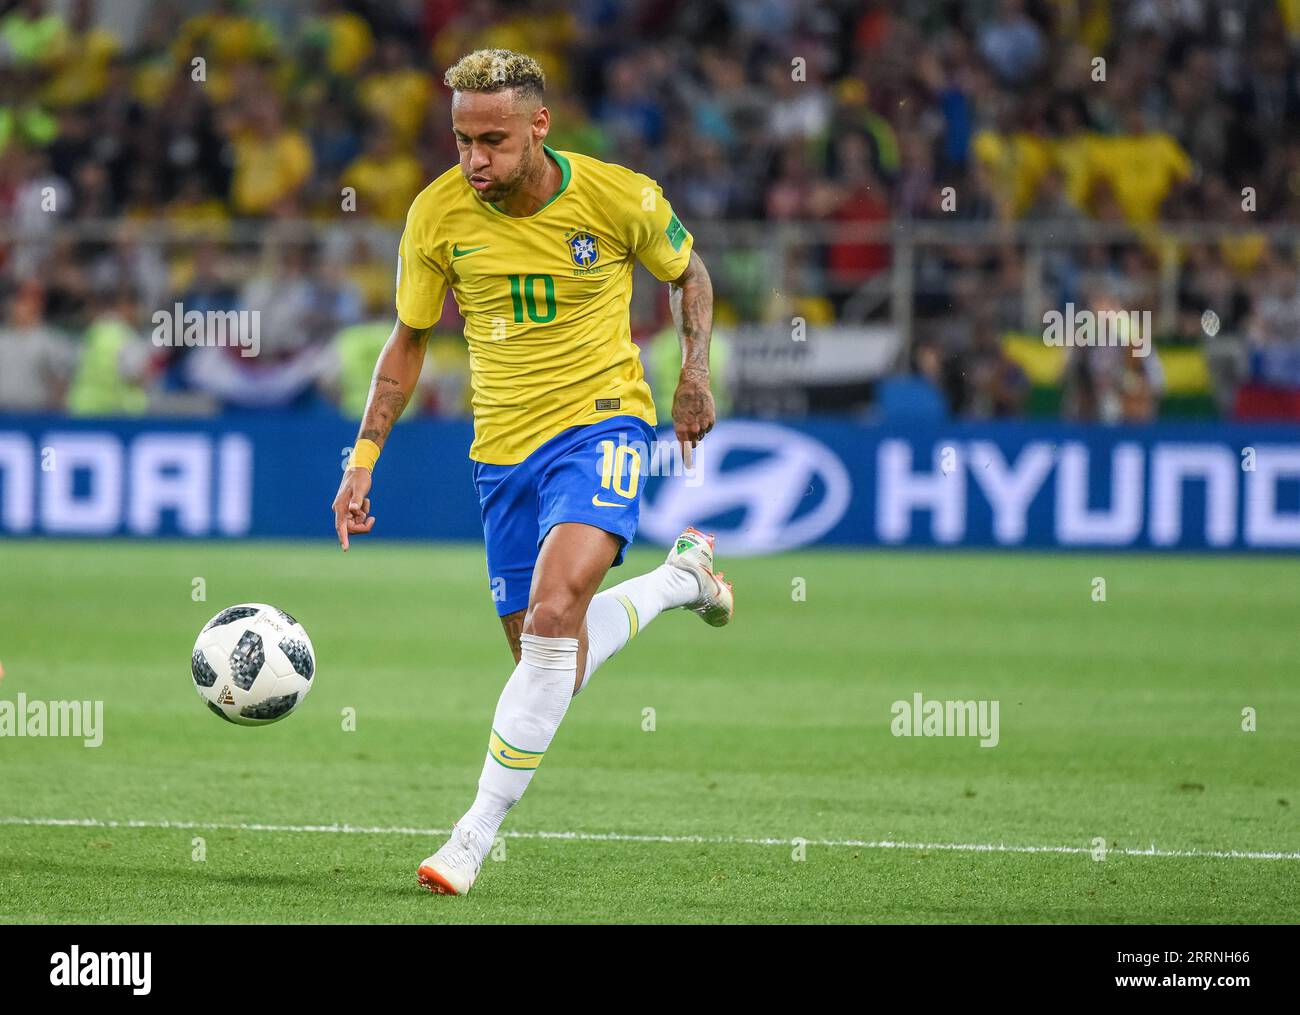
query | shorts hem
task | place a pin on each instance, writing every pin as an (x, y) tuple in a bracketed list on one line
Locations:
[(624, 541)]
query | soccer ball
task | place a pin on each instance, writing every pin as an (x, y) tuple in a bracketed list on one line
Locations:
[(253, 664)]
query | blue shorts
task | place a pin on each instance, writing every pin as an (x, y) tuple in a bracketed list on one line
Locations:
[(591, 474)]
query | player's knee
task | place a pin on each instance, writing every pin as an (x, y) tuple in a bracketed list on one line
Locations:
[(554, 617)]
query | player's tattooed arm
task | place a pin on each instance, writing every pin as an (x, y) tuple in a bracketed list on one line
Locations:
[(691, 299), (396, 375)]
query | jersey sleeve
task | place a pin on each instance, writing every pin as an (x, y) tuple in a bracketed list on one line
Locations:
[(421, 280), (655, 234)]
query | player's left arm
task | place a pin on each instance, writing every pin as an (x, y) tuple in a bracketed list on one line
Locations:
[(690, 297)]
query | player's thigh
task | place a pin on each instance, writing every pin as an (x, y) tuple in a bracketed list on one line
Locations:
[(508, 502), (573, 561), (589, 499)]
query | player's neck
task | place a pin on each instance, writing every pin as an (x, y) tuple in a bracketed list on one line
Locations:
[(536, 191)]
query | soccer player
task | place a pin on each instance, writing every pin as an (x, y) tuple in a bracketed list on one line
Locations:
[(538, 247)]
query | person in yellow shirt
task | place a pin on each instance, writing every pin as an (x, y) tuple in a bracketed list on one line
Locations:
[(195, 213), (227, 39), (225, 36), (1015, 163), (386, 180), (1071, 148), (538, 247), (82, 67), (1142, 166), (344, 35), (547, 27), (1290, 11), (397, 92), (272, 161)]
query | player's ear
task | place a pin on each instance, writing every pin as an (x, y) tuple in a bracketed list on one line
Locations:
[(541, 123)]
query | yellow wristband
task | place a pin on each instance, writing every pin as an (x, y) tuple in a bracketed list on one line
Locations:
[(364, 455)]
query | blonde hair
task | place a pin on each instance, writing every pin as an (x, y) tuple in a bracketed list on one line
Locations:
[(493, 70)]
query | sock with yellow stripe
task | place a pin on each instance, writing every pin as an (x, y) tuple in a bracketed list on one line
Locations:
[(617, 614), (528, 713)]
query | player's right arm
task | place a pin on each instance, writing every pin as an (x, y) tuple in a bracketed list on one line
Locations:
[(421, 287), (396, 375)]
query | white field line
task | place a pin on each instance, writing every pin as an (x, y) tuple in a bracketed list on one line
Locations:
[(719, 840)]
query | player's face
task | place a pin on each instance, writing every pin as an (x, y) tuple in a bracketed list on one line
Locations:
[(498, 136)]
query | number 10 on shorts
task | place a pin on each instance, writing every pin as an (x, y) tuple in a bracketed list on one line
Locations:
[(620, 468)]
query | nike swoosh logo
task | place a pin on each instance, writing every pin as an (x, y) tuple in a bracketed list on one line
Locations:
[(510, 757), (457, 252), (600, 503)]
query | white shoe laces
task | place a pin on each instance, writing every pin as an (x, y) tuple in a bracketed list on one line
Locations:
[(459, 850)]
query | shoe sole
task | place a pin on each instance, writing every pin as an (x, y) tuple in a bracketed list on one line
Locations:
[(434, 882)]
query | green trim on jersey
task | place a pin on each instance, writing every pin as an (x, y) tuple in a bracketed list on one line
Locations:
[(566, 173)]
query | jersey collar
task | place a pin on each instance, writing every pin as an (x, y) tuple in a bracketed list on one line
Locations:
[(566, 173)]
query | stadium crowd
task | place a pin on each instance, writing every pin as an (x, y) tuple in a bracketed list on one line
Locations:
[(175, 157)]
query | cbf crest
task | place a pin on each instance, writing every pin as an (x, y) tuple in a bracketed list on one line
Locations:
[(583, 249)]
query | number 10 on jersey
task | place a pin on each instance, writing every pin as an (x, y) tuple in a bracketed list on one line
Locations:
[(620, 468), (523, 292)]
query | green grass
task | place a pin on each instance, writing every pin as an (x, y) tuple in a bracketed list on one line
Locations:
[(1119, 720)]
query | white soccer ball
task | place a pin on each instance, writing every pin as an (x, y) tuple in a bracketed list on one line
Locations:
[(253, 664)]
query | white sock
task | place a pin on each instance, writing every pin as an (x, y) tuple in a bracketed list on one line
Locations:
[(616, 615), (528, 713)]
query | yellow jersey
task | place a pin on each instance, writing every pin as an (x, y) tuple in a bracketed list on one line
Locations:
[(545, 296)]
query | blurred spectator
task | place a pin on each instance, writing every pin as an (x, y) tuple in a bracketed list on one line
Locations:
[(208, 291), (33, 36), (1273, 328), (348, 368), (272, 161), (344, 35), (992, 385), (397, 91), (1113, 383), (113, 369), (333, 137), (284, 295), (35, 359), (131, 263), (82, 60), (386, 179), (226, 40), (1142, 166), (1275, 320), (857, 197), (1012, 43), (631, 113)]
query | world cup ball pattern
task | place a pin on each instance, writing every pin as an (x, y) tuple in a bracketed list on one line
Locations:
[(247, 660), (253, 664)]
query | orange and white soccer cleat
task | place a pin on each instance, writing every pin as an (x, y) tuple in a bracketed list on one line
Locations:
[(693, 552), (452, 870)]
